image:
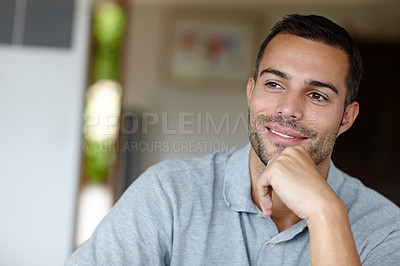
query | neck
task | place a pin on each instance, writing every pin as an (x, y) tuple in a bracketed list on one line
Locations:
[(282, 216)]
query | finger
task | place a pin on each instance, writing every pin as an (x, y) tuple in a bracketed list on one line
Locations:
[(266, 201)]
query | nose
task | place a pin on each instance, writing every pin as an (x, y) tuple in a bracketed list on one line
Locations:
[(290, 106)]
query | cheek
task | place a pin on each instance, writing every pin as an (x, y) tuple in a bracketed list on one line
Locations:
[(262, 104), (322, 121), (319, 118), (313, 119)]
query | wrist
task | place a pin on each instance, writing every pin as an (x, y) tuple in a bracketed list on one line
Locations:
[(329, 226), (327, 212)]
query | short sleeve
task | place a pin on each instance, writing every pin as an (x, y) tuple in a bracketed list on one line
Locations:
[(137, 231), (385, 253)]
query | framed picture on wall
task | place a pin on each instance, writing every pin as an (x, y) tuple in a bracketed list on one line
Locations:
[(204, 48)]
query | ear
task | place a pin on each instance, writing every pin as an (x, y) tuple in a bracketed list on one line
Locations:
[(349, 116), (249, 90)]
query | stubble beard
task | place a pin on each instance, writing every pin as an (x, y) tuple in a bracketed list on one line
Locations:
[(319, 145)]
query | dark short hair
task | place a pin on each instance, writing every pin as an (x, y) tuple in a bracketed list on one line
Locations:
[(320, 29)]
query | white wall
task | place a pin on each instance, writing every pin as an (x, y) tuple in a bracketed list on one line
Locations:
[(41, 103)]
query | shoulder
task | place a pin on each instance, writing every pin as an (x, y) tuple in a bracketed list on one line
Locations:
[(177, 176), (178, 188), (218, 158), (362, 201), (374, 219), (190, 168)]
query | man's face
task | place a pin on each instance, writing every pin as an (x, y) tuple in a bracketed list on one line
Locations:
[(298, 98)]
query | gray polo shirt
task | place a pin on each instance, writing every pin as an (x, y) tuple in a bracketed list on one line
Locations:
[(199, 212)]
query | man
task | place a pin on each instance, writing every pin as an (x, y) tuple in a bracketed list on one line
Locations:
[(278, 201)]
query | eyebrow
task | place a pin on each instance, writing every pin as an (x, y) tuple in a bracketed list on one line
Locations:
[(275, 72), (315, 83)]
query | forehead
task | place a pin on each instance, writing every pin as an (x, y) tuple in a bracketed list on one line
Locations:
[(306, 59)]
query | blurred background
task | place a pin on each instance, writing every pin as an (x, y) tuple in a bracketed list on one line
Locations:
[(94, 92)]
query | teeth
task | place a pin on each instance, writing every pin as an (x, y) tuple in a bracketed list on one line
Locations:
[(281, 134)]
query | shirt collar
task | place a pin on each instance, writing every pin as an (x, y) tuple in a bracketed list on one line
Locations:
[(335, 178), (237, 183), (237, 193)]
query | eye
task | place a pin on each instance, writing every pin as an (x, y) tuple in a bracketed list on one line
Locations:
[(273, 85), (317, 97)]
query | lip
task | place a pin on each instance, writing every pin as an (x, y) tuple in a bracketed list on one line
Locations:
[(284, 135)]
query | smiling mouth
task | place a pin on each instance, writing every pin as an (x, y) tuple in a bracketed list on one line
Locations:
[(281, 134), (284, 135)]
